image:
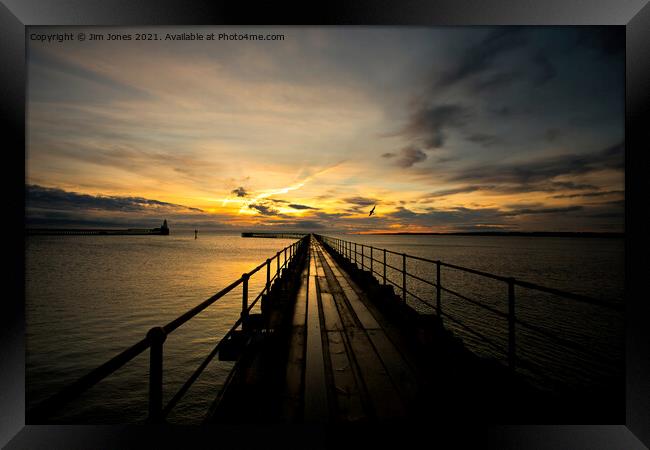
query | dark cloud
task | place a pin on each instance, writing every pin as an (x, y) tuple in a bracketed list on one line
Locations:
[(452, 191), (403, 213), (360, 201), (239, 192), (429, 124), (480, 65), (528, 211), (590, 194), (495, 81), (462, 218), (484, 139), (297, 206), (310, 225), (542, 186), (543, 170), (409, 156), (545, 71), (480, 57), (502, 111), (53, 198), (264, 209), (446, 159), (552, 134)]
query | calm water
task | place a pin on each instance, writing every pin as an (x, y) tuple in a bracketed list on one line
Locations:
[(89, 297)]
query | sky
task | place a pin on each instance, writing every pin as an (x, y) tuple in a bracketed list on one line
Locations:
[(443, 129)]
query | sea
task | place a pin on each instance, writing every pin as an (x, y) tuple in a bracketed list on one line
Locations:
[(90, 297)]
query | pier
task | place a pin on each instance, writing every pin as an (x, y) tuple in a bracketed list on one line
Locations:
[(272, 235), (336, 341), (160, 231)]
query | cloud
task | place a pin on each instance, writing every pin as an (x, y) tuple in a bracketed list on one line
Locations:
[(480, 57), (297, 206), (409, 156), (264, 209), (484, 139), (54, 198), (360, 201), (429, 124), (528, 211), (545, 70), (453, 191), (239, 192), (545, 169), (481, 64), (590, 194), (46, 206), (82, 73)]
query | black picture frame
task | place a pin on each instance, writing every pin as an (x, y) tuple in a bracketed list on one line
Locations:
[(634, 15)]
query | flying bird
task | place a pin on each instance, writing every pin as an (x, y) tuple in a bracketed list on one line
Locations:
[(372, 211)]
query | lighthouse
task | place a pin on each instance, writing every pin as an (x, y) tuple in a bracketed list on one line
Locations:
[(164, 229)]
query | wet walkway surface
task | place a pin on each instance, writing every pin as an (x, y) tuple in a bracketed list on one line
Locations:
[(352, 369)]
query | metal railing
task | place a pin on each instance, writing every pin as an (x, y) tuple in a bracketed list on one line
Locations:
[(155, 340), (360, 254)]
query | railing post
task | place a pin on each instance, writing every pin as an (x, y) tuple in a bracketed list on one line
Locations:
[(244, 298), (355, 252), (285, 257), (511, 324), (268, 276), (438, 291), (404, 277), (278, 265), (157, 337), (362, 266), (384, 266), (371, 272)]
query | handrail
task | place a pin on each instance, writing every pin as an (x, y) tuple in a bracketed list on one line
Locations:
[(154, 341), (349, 250), (517, 282)]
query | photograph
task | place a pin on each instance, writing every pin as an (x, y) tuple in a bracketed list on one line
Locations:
[(325, 225)]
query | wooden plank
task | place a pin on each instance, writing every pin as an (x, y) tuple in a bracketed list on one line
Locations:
[(346, 315), (318, 266), (293, 378), (384, 397), (349, 405), (398, 369), (331, 313), (292, 405), (300, 306), (316, 408), (365, 317), (323, 285)]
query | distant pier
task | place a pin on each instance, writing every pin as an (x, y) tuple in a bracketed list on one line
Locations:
[(161, 231), (272, 235)]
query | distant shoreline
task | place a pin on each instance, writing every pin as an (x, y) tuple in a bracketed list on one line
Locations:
[(509, 233)]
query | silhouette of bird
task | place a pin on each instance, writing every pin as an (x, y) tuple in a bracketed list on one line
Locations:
[(372, 211)]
